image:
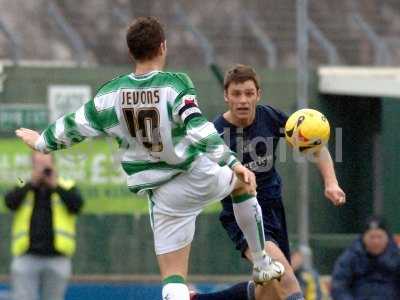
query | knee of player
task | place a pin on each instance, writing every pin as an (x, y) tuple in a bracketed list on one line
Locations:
[(289, 280)]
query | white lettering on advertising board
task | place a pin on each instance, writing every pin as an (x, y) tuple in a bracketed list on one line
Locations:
[(63, 99)]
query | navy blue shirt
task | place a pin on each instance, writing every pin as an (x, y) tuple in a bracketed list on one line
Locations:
[(255, 147)]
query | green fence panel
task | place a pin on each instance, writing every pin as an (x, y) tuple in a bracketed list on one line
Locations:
[(123, 244), (390, 140)]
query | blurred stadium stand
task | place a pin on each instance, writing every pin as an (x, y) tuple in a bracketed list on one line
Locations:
[(93, 32)]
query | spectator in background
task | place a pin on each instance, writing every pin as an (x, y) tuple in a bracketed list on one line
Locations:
[(308, 278), (370, 268), (43, 232)]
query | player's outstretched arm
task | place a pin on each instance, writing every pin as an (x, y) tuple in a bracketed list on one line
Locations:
[(332, 189), (205, 138), (68, 130), (200, 132)]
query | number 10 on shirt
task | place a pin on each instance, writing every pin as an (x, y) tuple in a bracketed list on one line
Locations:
[(144, 124)]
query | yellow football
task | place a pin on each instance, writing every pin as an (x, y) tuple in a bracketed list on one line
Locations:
[(307, 130)]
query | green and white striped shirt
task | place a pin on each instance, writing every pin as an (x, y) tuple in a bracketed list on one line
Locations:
[(155, 119)]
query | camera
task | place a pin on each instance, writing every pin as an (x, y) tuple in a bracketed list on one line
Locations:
[(47, 172)]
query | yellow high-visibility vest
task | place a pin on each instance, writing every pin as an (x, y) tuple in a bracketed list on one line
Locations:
[(63, 224)]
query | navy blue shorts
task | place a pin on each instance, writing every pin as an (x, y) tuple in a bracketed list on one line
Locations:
[(274, 220)]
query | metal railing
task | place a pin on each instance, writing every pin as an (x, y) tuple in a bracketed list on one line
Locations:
[(15, 47), (69, 32), (324, 43), (266, 43), (206, 46), (383, 56)]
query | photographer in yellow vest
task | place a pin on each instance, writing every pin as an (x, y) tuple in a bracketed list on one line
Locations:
[(43, 232)]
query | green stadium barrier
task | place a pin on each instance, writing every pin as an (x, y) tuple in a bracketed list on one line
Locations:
[(123, 244), (13, 116)]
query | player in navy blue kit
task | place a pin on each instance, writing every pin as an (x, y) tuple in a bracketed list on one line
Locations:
[(253, 132)]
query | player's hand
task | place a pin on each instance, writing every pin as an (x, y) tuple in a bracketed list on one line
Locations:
[(335, 194), (28, 136), (245, 175)]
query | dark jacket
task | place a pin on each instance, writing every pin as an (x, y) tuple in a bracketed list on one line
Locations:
[(41, 227), (360, 276)]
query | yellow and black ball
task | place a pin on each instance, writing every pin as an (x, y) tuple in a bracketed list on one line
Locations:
[(307, 130)]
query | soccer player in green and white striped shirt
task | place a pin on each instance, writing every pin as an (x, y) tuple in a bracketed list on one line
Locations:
[(171, 153)]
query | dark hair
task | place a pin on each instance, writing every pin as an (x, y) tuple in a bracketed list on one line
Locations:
[(144, 37), (375, 222), (240, 74)]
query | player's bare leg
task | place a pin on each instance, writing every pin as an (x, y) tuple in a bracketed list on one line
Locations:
[(174, 269), (269, 291), (248, 216), (288, 284)]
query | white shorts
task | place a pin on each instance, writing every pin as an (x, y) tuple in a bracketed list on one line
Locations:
[(175, 205)]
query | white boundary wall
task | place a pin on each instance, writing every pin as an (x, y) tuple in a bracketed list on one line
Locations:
[(360, 81)]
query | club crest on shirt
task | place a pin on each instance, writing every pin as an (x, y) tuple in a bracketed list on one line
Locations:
[(190, 100)]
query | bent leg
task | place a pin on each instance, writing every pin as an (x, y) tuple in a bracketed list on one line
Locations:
[(249, 217), (240, 291), (288, 283), (270, 291)]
